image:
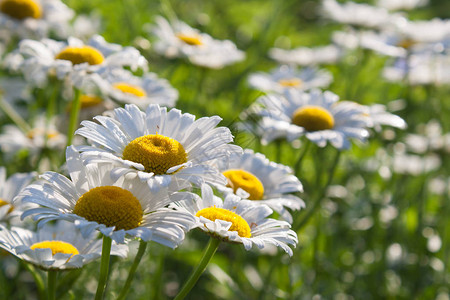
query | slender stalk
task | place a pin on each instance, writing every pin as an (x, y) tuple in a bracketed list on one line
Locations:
[(302, 222), (104, 267), (137, 260), (207, 255), (279, 152), (37, 279), (14, 116), (298, 164), (51, 284), (167, 9), (74, 112)]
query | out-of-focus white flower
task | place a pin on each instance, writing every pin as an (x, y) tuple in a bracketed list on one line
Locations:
[(319, 116), (401, 4), (429, 138), (429, 31), (45, 58), (15, 90), (9, 189), (287, 77), (420, 69), (86, 26), (305, 56), (42, 135), (358, 14), (55, 247), (238, 221), (252, 176), (35, 18), (180, 40)]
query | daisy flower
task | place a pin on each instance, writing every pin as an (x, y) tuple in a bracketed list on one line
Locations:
[(285, 77), (252, 176), (9, 189), (319, 116), (429, 138), (238, 221), (41, 135), (55, 247), (35, 18), (429, 31), (117, 208), (123, 87), (159, 146), (401, 4), (49, 57), (180, 40), (378, 116), (305, 56)]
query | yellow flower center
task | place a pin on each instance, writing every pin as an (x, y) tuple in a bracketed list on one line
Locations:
[(130, 89), (3, 203), (238, 223), (290, 82), (406, 43), (111, 206), (313, 118), (79, 55), (90, 101), (246, 181), (193, 39), (33, 133), (56, 247), (157, 153), (21, 9)]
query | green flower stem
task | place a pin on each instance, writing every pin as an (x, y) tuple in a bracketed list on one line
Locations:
[(207, 255), (298, 164), (14, 116), (74, 112), (137, 260), (302, 222), (37, 279), (51, 284), (104, 267)]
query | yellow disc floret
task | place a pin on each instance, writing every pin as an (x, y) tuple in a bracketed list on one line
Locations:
[(3, 203), (238, 223), (56, 247), (157, 153), (130, 89), (79, 55), (110, 206), (290, 82), (192, 39), (21, 9), (90, 101), (246, 181), (313, 118)]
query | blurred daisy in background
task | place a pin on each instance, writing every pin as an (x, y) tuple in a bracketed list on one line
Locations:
[(401, 4), (42, 134), (429, 138), (238, 221), (252, 176), (55, 247), (9, 189), (117, 208), (35, 18), (16, 92), (159, 146), (178, 39), (47, 57), (305, 56), (123, 87), (317, 115), (286, 77), (358, 14)]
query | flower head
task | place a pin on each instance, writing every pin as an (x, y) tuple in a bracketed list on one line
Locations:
[(160, 147), (238, 221), (180, 40), (116, 208), (55, 247), (252, 176)]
